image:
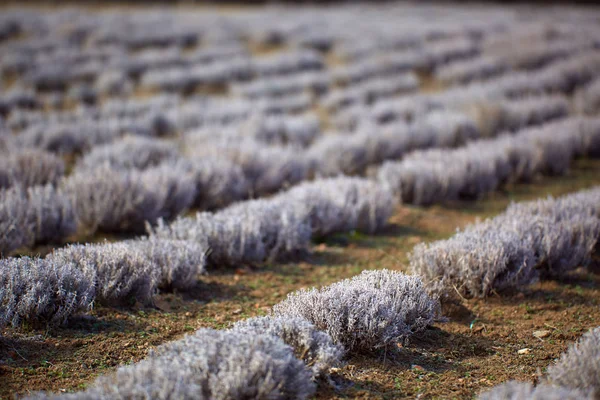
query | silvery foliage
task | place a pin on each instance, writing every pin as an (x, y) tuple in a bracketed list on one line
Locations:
[(18, 98), (406, 108), (443, 51), (285, 63), (130, 152), (210, 364), (438, 175), (578, 368), (370, 90), (219, 182), (30, 168), (178, 262), (118, 271), (38, 214), (475, 262), (339, 154), (544, 238), (276, 130), (111, 200), (370, 144), (16, 228), (267, 169), (39, 290), (372, 310), (311, 345), (342, 204), (299, 103), (563, 232), (173, 185), (286, 130), (317, 82), (114, 83), (589, 131), (587, 100), (519, 113), (67, 138), (229, 364), (135, 268), (515, 390), (448, 128), (246, 233), (123, 200), (51, 214), (464, 71), (385, 65), (187, 79)]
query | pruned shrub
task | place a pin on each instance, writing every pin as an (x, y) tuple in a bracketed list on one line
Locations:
[(578, 368), (130, 152), (118, 271), (110, 200), (372, 310), (208, 365), (122, 201), (134, 269), (30, 168), (178, 262), (246, 233), (51, 214), (547, 238), (311, 345), (341, 205), (219, 182), (438, 175), (43, 291), (475, 262), (16, 228), (267, 169), (172, 185)]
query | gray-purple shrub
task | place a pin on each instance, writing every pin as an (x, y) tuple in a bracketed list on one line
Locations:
[(51, 214), (178, 262), (29, 168), (130, 152), (464, 71), (311, 345), (173, 186), (344, 204), (118, 271), (515, 390), (372, 310), (475, 262), (267, 168), (578, 368), (439, 175), (135, 269), (16, 228), (124, 200), (246, 233), (547, 238), (42, 291), (219, 182), (210, 364)]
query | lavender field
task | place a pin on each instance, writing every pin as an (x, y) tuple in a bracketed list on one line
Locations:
[(273, 202)]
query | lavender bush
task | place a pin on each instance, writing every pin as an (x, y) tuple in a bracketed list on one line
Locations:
[(372, 310)]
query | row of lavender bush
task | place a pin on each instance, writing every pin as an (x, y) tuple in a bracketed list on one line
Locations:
[(282, 355), (529, 241)]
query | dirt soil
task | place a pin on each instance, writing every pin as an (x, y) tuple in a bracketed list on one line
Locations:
[(477, 348)]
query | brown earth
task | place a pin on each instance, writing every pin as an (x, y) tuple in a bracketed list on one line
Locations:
[(476, 349)]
